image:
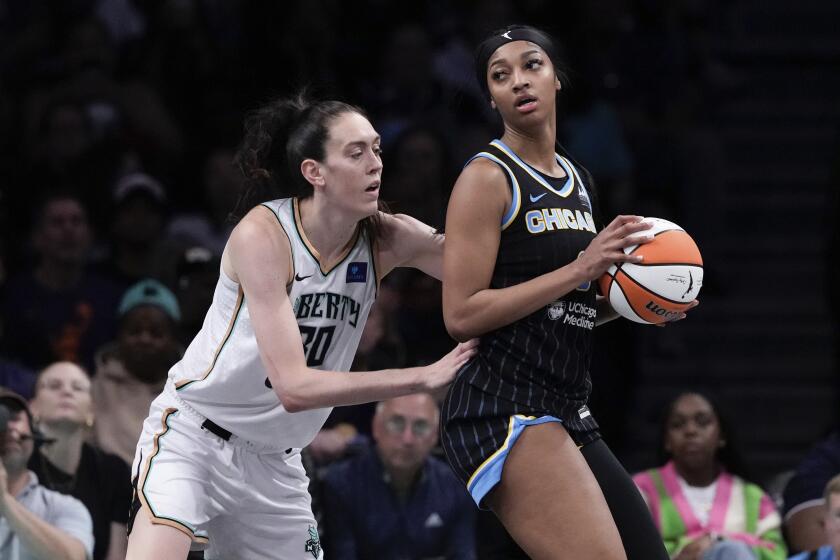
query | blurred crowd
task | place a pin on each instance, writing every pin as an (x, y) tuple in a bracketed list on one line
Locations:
[(119, 120)]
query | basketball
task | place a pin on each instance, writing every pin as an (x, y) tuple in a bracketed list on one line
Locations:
[(664, 284)]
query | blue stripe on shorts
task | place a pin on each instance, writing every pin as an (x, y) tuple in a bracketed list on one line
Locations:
[(489, 473)]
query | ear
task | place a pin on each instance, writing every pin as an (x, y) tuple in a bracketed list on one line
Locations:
[(311, 171), (492, 104), (557, 85)]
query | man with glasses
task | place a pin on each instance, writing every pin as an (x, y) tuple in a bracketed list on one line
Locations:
[(394, 501)]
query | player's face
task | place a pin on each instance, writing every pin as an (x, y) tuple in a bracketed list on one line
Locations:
[(832, 522), (522, 82), (405, 431), (63, 396), (352, 168), (692, 434)]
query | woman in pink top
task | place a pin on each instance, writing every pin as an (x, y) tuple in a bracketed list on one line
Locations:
[(702, 509)]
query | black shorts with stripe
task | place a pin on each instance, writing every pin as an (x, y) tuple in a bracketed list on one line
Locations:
[(475, 424)]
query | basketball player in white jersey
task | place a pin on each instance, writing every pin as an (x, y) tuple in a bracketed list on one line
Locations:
[(218, 462)]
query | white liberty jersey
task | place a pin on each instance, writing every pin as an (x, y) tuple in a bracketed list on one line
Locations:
[(221, 375)]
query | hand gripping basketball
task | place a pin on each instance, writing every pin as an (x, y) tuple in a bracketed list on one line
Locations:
[(662, 285), (608, 246)]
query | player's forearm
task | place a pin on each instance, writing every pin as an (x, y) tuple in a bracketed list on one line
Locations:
[(490, 309), (310, 388), (42, 539)]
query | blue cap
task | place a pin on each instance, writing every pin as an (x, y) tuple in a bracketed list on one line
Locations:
[(150, 292)]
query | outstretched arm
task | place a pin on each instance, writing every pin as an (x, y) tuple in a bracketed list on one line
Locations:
[(258, 257), (407, 241)]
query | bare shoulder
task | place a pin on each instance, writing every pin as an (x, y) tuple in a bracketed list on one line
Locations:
[(482, 171), (258, 237), (481, 188)]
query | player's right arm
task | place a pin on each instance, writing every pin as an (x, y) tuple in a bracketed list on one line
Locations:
[(258, 256), (471, 308)]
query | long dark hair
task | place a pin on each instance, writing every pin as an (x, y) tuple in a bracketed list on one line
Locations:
[(730, 454), (278, 137)]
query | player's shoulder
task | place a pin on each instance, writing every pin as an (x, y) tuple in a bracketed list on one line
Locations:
[(258, 226), (481, 168)]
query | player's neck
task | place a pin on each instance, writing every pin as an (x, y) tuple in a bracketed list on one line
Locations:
[(535, 146), (326, 229)]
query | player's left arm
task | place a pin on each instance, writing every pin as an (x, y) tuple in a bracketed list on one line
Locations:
[(407, 241)]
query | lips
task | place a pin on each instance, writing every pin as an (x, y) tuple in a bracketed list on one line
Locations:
[(373, 187), (526, 103)]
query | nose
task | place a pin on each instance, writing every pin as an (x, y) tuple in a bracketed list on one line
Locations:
[(376, 164), (407, 436), (520, 81), (690, 429)]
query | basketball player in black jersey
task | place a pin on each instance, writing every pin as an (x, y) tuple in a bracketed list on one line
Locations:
[(521, 254)]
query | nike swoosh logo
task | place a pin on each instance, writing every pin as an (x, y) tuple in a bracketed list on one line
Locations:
[(536, 198), (300, 278)]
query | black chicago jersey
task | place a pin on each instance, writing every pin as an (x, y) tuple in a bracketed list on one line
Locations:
[(540, 363)]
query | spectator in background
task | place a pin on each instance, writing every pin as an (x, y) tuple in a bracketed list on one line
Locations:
[(831, 525), (64, 413), (702, 507), (407, 89), (195, 282), (59, 311), (419, 174), (123, 110), (395, 501), (803, 496), (138, 223), (209, 225), (131, 372), (35, 523)]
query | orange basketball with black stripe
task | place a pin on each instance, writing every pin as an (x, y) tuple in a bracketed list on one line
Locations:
[(664, 284)]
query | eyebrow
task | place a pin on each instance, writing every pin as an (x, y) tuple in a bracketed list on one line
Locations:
[(526, 54), (362, 143)]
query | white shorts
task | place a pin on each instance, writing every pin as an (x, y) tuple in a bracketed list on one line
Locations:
[(232, 498)]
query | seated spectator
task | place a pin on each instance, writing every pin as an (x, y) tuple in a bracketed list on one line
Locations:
[(131, 372), (831, 525), (703, 509), (207, 222), (35, 522), (63, 409), (58, 310), (138, 223), (395, 501), (195, 283), (803, 495)]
